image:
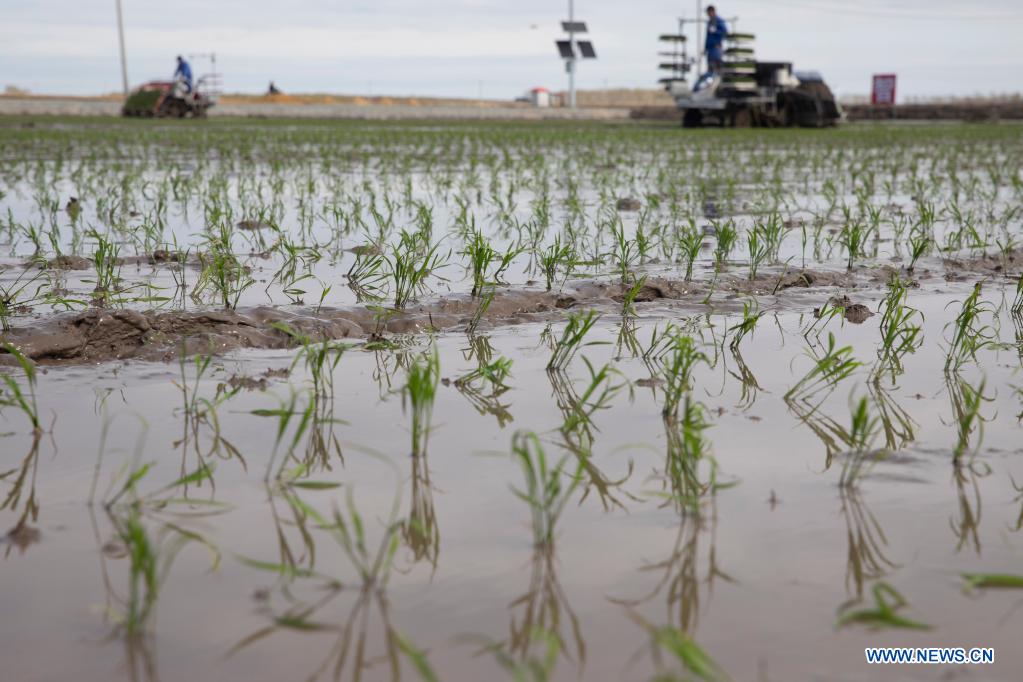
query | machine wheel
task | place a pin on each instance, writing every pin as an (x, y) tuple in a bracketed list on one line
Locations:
[(692, 118), (172, 108), (786, 112), (741, 118)]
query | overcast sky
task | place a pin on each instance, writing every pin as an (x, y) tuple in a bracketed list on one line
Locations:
[(502, 48)]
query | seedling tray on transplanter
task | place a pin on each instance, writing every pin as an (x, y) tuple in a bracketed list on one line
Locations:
[(739, 52), (740, 37), (672, 38)]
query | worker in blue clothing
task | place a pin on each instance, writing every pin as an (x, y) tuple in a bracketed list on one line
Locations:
[(717, 29), (184, 71)]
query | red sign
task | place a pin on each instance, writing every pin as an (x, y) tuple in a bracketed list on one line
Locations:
[(883, 90)]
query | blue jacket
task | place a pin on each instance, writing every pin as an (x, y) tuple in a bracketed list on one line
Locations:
[(717, 29), (185, 71)]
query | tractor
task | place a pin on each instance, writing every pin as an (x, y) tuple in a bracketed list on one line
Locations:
[(172, 99), (746, 92)]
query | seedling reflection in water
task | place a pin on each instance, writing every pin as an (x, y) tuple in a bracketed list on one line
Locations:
[(887, 603), (418, 396)]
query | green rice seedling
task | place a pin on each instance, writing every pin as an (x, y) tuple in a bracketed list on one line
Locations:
[(751, 314), (222, 272), (1017, 304), (831, 368), (597, 395), (410, 263), (997, 581), (727, 235), (822, 317), (772, 232), (485, 385), (418, 395), (969, 334), (690, 241), (758, 251), (678, 362), (901, 332), (919, 244), (18, 295), (623, 253), (863, 431), (853, 237), (14, 395), (547, 488), (887, 603), (629, 297), (480, 254), (105, 261), (667, 640), (556, 258), (366, 276), (565, 348)]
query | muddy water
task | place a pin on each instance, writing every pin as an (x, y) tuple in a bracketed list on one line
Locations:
[(756, 578), (160, 525)]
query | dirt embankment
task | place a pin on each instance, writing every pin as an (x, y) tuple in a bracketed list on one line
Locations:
[(100, 335)]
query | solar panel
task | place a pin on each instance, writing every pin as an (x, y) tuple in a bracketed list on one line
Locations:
[(565, 48), (586, 49), (573, 26)]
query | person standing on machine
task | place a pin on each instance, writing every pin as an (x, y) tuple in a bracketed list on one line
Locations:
[(717, 29)]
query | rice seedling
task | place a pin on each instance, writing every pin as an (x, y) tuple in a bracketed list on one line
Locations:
[(690, 241), (997, 581), (556, 258), (853, 237), (14, 395), (683, 649), (222, 272), (727, 235), (885, 614), (17, 295), (969, 334), (629, 297), (597, 395), (751, 314), (576, 329), (758, 251), (835, 365), (480, 254), (418, 396), (1017, 304), (919, 245), (901, 332), (411, 262)]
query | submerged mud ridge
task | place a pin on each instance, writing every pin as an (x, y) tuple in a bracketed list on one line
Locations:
[(101, 335)]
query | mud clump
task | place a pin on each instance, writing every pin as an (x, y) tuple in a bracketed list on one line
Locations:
[(628, 204), (857, 313), (69, 263)]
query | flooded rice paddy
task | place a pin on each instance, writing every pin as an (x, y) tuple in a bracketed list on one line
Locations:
[(362, 401)]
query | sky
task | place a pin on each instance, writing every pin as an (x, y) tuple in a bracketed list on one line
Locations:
[(497, 49)]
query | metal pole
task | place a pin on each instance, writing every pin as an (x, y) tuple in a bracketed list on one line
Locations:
[(571, 60), (699, 38), (124, 59)]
